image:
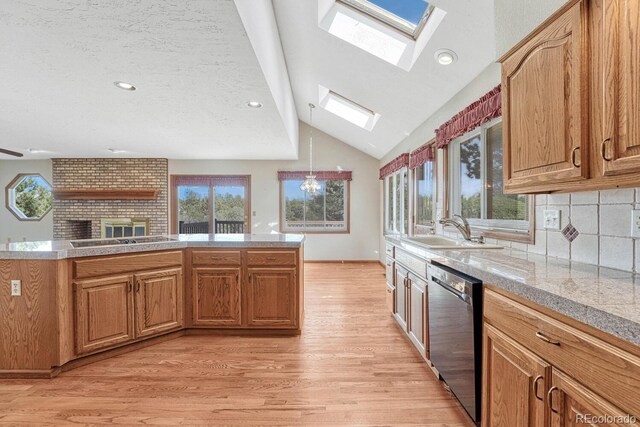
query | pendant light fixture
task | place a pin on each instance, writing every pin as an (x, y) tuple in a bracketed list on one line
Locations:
[(310, 185)]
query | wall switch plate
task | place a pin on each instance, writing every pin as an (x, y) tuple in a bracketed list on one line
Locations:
[(635, 223), (552, 219), (16, 288)]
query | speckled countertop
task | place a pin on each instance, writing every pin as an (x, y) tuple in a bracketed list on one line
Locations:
[(604, 298), (61, 249)]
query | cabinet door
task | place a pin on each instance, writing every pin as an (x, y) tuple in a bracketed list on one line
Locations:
[(401, 296), (545, 106), (103, 312), (514, 385), (418, 315), (158, 301), (620, 147), (271, 298), (573, 405), (216, 297)]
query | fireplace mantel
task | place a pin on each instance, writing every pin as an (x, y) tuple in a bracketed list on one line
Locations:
[(105, 194)]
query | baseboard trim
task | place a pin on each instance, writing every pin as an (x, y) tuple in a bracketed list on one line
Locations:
[(29, 374)]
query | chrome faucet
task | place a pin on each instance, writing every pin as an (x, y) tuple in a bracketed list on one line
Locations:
[(462, 226)]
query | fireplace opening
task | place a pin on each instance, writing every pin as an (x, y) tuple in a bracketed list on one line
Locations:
[(78, 229)]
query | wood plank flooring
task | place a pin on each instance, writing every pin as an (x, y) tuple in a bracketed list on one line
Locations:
[(350, 367)]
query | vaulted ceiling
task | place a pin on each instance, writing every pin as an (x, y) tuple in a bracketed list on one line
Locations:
[(196, 63)]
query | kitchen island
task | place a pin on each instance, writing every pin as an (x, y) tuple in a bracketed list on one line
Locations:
[(66, 304)]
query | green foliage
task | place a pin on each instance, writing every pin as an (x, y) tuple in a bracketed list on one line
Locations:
[(194, 208), (332, 194), (32, 198), (229, 207)]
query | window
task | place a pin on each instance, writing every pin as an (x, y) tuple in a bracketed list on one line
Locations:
[(29, 197), (424, 195), (397, 202), (211, 204), (407, 16), (477, 184), (326, 211)]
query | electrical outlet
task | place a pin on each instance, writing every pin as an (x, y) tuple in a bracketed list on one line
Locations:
[(16, 288), (552, 219), (635, 223)]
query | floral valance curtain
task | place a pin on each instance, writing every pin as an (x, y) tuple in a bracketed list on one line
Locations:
[(488, 107), (208, 181), (394, 165), (421, 156), (320, 175)]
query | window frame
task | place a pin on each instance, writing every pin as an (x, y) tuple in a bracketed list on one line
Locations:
[(9, 193), (173, 206), (405, 203), (424, 228), (390, 19), (511, 230), (347, 210)]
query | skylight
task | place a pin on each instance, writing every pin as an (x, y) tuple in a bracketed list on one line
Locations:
[(408, 16), (347, 109)]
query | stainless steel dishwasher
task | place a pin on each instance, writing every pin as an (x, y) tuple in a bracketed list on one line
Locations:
[(455, 333)]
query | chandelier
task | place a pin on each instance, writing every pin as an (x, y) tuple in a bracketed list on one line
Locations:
[(310, 185)]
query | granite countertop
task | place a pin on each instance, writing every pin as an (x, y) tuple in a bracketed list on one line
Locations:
[(604, 298), (62, 249)]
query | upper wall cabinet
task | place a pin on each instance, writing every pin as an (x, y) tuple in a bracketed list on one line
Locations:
[(571, 101), (544, 105), (620, 145)]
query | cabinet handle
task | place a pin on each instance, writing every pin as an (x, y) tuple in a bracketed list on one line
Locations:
[(137, 286), (573, 157), (550, 399), (535, 387), (546, 339), (130, 282), (603, 150)]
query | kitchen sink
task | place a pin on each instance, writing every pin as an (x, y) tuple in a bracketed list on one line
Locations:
[(118, 242), (439, 242)]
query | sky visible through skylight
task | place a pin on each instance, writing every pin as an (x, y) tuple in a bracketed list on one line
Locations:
[(409, 10)]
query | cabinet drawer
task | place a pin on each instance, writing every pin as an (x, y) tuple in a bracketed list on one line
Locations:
[(215, 258), (390, 250), (417, 265), (607, 370), (269, 258), (105, 266), (389, 273)]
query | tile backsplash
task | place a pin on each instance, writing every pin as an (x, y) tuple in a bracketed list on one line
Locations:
[(603, 221)]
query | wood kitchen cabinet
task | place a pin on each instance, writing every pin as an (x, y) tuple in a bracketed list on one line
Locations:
[(216, 296), (515, 383), (571, 91), (104, 312), (540, 371), (619, 147), (545, 106), (271, 297), (158, 301), (417, 326)]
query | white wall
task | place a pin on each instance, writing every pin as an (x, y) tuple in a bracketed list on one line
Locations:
[(10, 227), (328, 153)]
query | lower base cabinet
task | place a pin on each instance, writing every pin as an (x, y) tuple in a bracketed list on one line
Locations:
[(103, 312), (539, 371), (411, 308), (114, 310), (216, 297), (271, 298)]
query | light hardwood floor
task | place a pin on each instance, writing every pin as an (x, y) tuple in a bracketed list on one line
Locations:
[(351, 367)]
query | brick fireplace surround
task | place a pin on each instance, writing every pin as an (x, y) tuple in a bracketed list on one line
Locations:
[(75, 219)]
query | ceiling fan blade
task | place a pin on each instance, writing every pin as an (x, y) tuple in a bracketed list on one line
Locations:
[(11, 153)]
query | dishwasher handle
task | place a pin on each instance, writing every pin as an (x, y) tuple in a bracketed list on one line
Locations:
[(461, 296)]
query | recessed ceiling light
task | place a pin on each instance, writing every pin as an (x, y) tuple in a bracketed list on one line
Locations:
[(36, 151), (254, 104), (347, 109), (115, 151), (124, 86), (446, 56)]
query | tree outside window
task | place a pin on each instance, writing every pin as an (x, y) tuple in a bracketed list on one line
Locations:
[(29, 197)]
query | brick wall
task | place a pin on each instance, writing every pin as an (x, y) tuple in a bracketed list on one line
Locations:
[(109, 174)]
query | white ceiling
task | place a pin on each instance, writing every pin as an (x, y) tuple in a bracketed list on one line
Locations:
[(195, 69), (404, 99), (191, 61)]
